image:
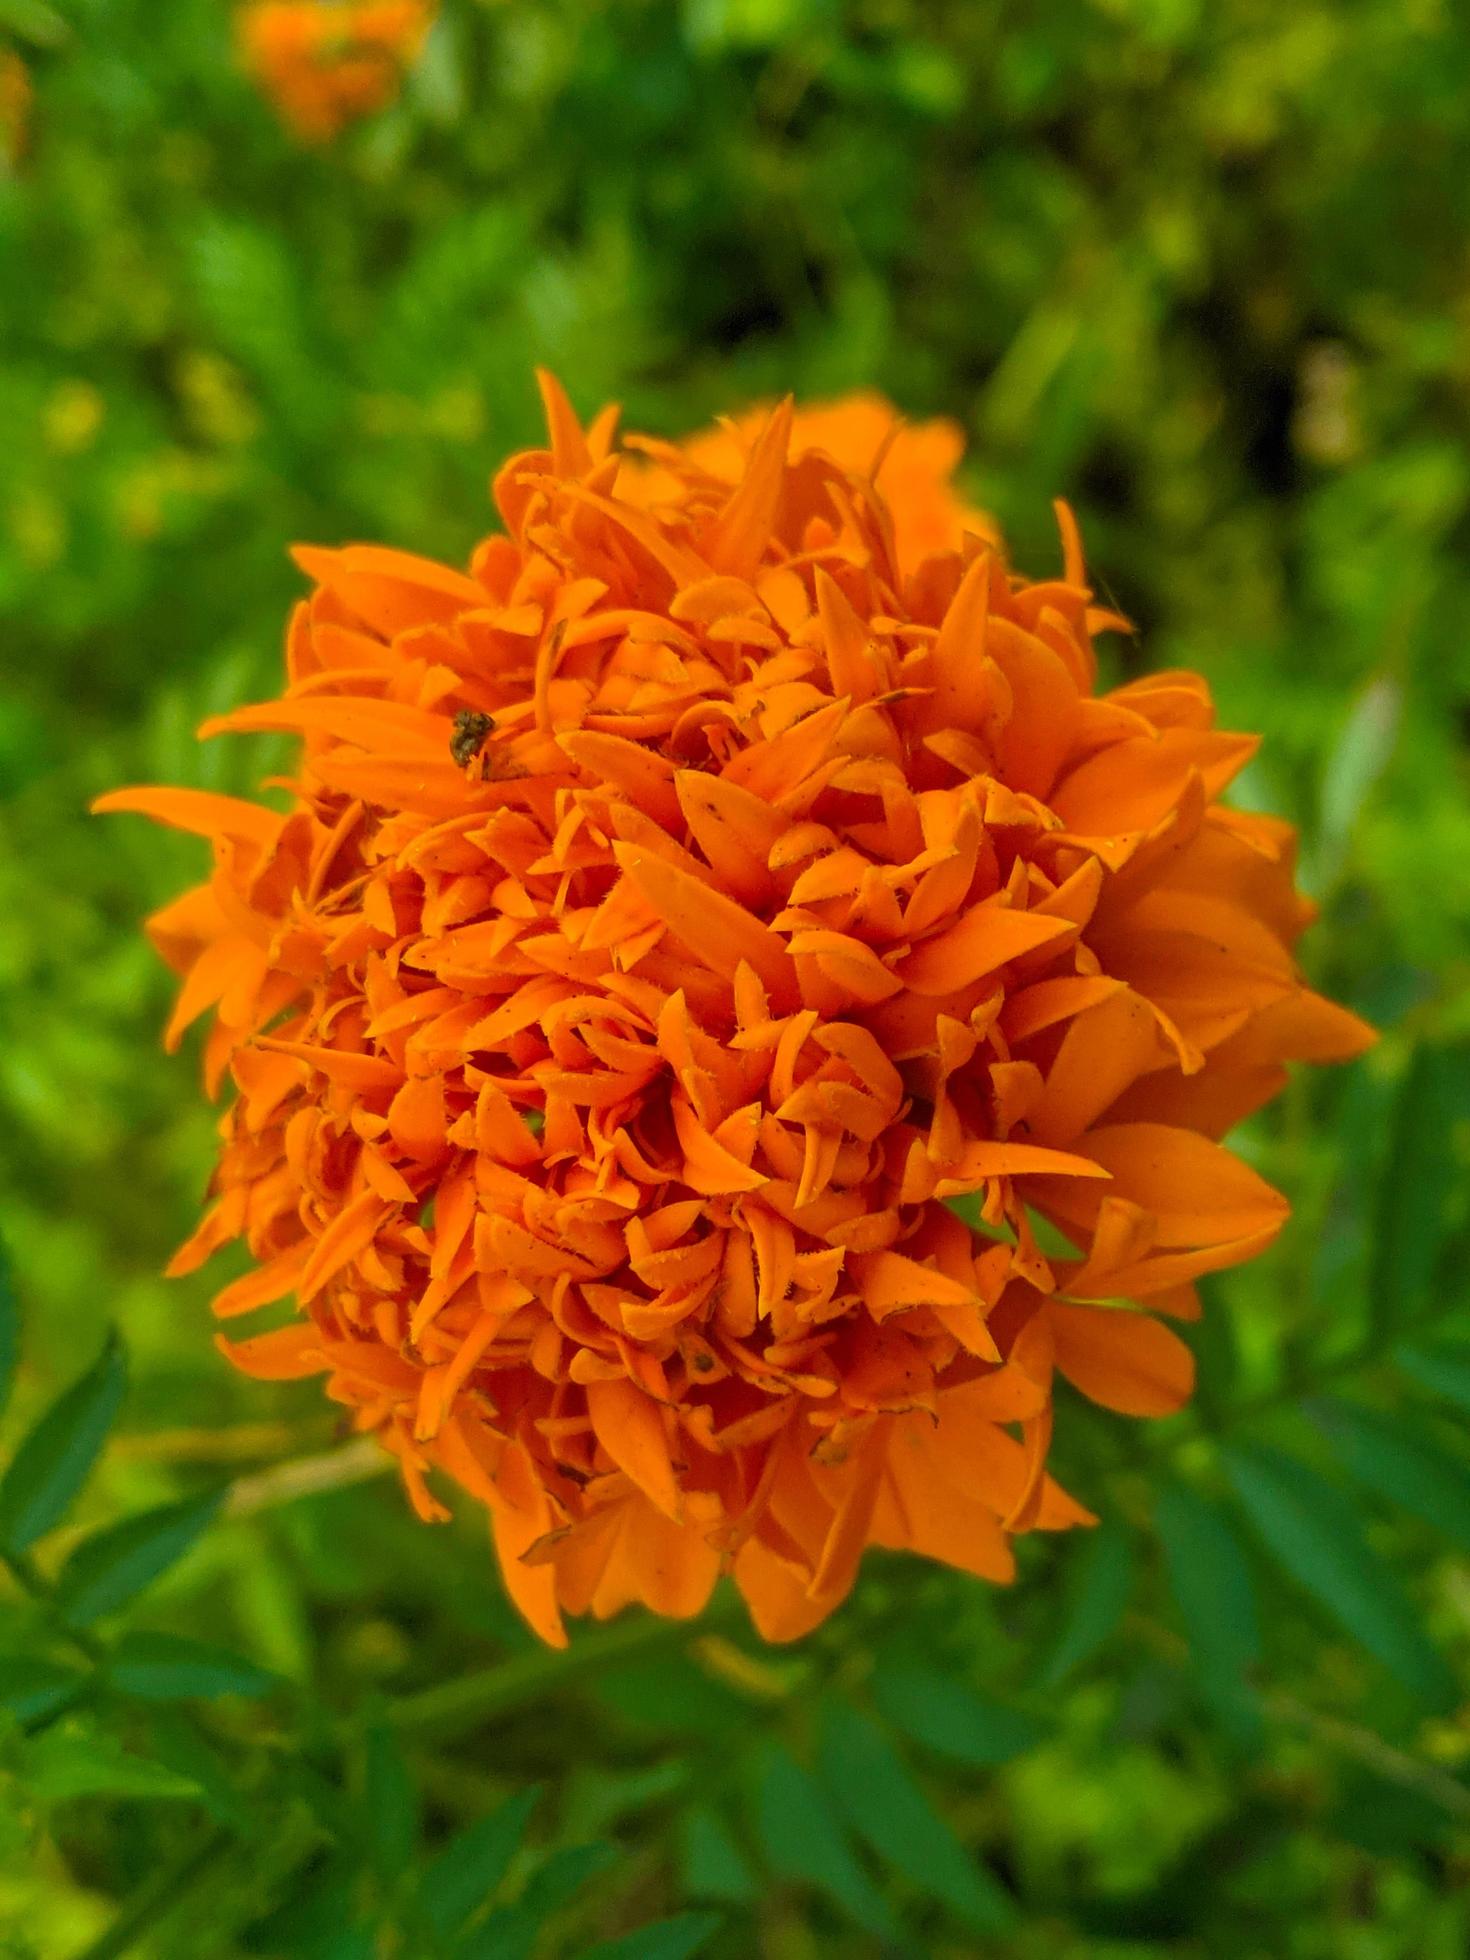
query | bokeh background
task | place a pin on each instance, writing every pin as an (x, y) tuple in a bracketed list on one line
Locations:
[(1205, 270)]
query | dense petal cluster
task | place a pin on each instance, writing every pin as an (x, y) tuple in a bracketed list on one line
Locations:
[(674, 913), (325, 63)]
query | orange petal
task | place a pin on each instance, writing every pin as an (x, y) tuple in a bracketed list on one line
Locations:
[(390, 591), (272, 1281), (287, 1354), (630, 1428), (197, 811), (708, 1168), (739, 536), (978, 1161), (976, 945), (891, 1283), (1197, 1192), (569, 453), (350, 1232), (1103, 1051), (718, 932), (1125, 1361)]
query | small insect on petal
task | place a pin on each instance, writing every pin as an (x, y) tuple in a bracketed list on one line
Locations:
[(472, 730)]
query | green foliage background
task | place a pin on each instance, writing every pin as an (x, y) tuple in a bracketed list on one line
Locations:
[(1200, 268)]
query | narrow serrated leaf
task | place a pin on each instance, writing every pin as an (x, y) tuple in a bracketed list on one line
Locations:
[(877, 1793), (176, 1739), (67, 1762), (1099, 1582), (561, 1875), (1315, 1536), (679, 1938), (114, 1565), (711, 1863), (805, 1841), (1390, 1455), (32, 1688), (1441, 1367), (949, 1718), (1211, 1581), (169, 1667), (469, 1869), (54, 1460)]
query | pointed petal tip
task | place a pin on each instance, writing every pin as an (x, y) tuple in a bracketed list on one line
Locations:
[(569, 450), (312, 559)]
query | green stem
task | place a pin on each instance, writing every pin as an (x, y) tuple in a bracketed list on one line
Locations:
[(475, 1698), (157, 1897), (1366, 1746)]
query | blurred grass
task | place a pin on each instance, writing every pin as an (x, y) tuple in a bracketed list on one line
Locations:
[(1202, 270)]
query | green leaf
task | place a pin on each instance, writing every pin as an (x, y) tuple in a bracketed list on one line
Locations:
[(1388, 1454), (1315, 1536), (1388, 1819), (1098, 1584), (32, 1689), (176, 1740), (510, 1934), (66, 1762), (1420, 1176), (168, 1667), (874, 1788), (947, 1717), (30, 20), (1212, 1585), (517, 1931), (471, 1866), (53, 1462), (390, 1804), (669, 1697), (805, 1841), (9, 1327), (316, 1914), (601, 1797), (112, 1566), (711, 1863), (1442, 1367), (665, 1939), (558, 1878)]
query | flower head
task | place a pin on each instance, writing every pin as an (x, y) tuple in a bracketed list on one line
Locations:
[(325, 63), (674, 912)]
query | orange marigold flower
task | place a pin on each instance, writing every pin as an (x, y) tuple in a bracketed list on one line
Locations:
[(326, 63), (673, 912)]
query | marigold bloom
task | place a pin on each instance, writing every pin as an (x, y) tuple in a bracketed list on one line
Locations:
[(672, 913), (325, 63)]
